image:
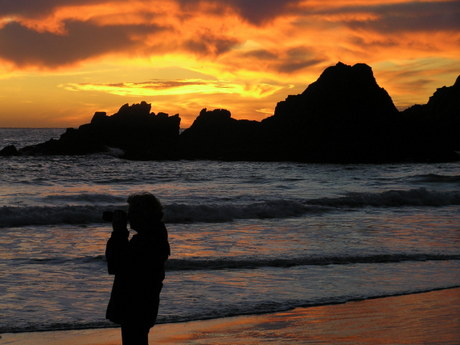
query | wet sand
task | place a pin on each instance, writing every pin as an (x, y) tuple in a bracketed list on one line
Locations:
[(425, 318)]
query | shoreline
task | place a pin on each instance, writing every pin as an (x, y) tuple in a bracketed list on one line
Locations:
[(255, 314), (419, 318)]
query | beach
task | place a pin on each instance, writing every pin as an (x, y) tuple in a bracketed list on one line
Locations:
[(422, 318), (247, 238)]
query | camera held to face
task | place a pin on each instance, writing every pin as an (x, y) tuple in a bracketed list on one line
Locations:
[(108, 215)]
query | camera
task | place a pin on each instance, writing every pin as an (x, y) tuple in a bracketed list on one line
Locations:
[(108, 215)]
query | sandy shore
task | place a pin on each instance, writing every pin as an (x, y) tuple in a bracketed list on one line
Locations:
[(426, 318)]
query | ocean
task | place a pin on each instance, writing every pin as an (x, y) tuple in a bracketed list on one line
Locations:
[(246, 237)]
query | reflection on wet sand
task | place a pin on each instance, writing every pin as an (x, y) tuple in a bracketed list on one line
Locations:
[(425, 318), (428, 318)]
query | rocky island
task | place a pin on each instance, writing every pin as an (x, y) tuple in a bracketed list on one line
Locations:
[(343, 117)]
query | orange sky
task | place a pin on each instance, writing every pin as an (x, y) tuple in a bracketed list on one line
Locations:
[(60, 61)]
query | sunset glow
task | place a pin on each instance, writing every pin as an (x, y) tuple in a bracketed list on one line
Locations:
[(62, 61)]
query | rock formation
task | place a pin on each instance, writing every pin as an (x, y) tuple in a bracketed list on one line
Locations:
[(133, 129), (433, 129), (9, 150), (216, 135), (343, 117)]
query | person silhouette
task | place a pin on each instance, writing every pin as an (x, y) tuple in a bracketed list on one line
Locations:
[(138, 266)]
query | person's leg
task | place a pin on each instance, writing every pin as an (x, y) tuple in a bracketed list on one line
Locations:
[(126, 335), (134, 335)]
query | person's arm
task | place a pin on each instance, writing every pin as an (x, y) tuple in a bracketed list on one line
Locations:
[(165, 248), (117, 245)]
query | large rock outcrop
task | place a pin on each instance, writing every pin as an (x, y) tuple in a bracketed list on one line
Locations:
[(216, 135), (344, 116), (133, 129), (433, 129)]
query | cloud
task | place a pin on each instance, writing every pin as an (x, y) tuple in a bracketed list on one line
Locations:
[(260, 11), (261, 54), (297, 58), (404, 16), (256, 12), (286, 61), (294, 66), (38, 7), (372, 42), (177, 87), (23, 46), (209, 44)]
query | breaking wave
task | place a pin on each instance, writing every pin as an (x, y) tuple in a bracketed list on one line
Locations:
[(256, 262), (186, 213), (393, 198), (252, 263), (86, 198), (50, 215), (438, 178)]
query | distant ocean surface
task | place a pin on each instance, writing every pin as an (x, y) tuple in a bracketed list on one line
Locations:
[(246, 237)]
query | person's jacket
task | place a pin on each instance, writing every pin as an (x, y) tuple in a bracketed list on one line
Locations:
[(138, 266)]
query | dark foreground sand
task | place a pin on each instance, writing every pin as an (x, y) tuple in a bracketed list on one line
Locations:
[(425, 318)]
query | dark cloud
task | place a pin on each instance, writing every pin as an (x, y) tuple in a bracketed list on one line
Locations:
[(32, 8), (261, 54), (375, 43), (299, 53), (82, 40), (260, 11), (297, 58), (296, 65), (209, 44), (410, 16), (416, 84), (254, 11), (289, 61)]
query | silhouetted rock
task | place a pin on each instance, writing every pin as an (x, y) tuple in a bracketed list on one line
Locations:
[(133, 129), (344, 116), (432, 130), (216, 135), (9, 150)]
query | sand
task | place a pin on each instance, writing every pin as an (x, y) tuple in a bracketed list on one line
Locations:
[(424, 318)]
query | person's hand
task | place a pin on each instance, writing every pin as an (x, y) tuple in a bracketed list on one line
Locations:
[(120, 221)]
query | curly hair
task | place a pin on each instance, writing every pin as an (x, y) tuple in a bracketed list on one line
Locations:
[(145, 204)]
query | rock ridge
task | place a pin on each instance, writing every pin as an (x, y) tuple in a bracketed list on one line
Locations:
[(342, 117)]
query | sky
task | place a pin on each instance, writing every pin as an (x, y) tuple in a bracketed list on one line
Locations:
[(63, 60)]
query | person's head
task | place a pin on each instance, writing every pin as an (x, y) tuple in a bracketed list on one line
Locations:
[(144, 211)]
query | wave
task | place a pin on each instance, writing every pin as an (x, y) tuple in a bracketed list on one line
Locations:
[(250, 263), (60, 260), (180, 213), (51, 215), (175, 213), (438, 178), (393, 198), (211, 213), (86, 197), (254, 263), (227, 311)]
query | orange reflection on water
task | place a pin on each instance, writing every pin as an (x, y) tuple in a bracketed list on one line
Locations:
[(420, 231)]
